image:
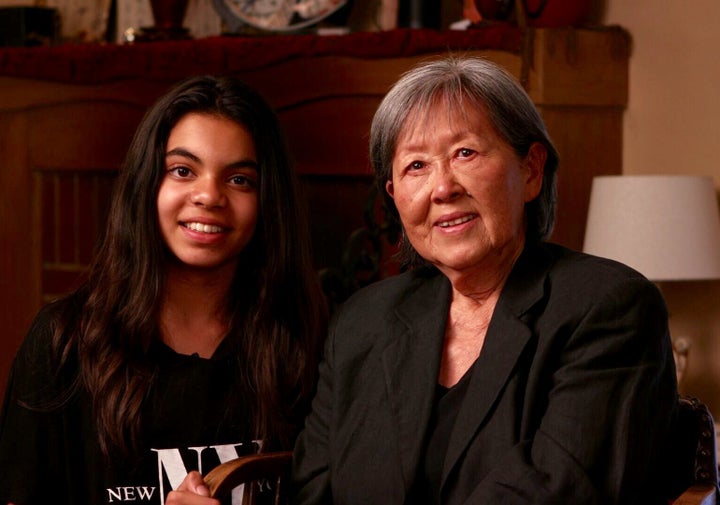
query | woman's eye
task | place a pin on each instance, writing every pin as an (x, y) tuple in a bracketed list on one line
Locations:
[(465, 152), (416, 165)]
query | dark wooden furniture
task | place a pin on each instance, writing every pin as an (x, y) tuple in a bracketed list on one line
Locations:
[(271, 467), (67, 115), (695, 454)]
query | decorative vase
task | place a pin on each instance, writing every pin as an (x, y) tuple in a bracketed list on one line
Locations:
[(556, 13), (494, 10), (169, 16), (539, 13)]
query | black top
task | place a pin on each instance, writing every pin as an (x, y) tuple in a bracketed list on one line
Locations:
[(194, 418), (448, 402), (572, 400)]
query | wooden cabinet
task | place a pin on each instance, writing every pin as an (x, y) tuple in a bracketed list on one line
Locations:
[(62, 140)]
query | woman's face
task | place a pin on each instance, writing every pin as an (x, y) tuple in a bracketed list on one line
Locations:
[(461, 189), (208, 197)]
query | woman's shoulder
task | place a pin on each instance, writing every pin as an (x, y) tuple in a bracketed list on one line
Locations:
[(570, 262), (592, 277), (392, 290), (375, 306)]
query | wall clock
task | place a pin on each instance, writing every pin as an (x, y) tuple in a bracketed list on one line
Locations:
[(275, 15)]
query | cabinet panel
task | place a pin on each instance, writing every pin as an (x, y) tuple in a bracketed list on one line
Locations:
[(63, 139)]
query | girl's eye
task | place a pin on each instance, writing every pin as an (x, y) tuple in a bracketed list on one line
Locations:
[(181, 172), (242, 180), (416, 165)]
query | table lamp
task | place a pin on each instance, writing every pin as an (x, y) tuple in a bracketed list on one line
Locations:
[(665, 226)]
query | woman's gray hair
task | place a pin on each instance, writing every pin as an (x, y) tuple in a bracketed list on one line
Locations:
[(456, 81)]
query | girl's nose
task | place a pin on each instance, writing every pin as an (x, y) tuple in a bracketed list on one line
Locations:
[(207, 192)]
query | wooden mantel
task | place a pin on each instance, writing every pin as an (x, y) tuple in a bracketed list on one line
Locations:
[(67, 116)]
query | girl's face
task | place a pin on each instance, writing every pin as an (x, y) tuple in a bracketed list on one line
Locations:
[(208, 197)]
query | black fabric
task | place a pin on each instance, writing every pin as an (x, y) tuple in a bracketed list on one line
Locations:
[(193, 418), (572, 399), (448, 402)]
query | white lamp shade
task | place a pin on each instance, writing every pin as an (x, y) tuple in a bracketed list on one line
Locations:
[(665, 226)]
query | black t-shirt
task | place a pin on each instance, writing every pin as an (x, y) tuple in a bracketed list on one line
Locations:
[(446, 406), (193, 419)]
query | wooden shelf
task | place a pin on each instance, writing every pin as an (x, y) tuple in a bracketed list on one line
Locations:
[(63, 139)]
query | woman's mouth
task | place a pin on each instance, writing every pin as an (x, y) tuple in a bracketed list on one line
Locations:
[(457, 221)]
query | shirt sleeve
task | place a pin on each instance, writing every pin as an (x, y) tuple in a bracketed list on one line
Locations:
[(31, 423)]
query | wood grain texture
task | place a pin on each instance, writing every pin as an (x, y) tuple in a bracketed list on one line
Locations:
[(62, 143)]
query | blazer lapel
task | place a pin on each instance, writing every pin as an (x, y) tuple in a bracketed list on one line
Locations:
[(411, 364), (506, 338)]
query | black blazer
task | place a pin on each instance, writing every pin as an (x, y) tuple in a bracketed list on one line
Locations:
[(570, 401)]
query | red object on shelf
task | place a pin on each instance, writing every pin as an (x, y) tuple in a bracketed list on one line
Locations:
[(169, 14), (539, 13), (494, 10), (557, 13)]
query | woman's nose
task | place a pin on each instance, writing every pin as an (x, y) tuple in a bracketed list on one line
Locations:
[(446, 187), (208, 192)]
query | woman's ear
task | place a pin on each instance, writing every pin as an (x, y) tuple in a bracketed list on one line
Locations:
[(389, 188), (534, 164)]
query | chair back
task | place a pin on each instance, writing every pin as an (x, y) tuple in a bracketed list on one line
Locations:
[(257, 472), (694, 455)]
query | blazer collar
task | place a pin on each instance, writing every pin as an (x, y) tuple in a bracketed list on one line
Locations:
[(507, 336), (411, 362), (411, 358)]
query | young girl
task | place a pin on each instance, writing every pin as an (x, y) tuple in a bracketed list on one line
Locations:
[(196, 336)]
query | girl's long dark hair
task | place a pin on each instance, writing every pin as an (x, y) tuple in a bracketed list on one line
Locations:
[(277, 308)]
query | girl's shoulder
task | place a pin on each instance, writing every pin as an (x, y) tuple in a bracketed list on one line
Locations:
[(61, 313), (44, 359)]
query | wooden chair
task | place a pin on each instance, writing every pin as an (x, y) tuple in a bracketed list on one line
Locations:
[(694, 458), (267, 468), (695, 455)]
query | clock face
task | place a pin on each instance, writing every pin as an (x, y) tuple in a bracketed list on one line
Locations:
[(261, 8), (278, 15)]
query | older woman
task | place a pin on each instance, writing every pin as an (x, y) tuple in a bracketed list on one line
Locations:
[(499, 369)]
